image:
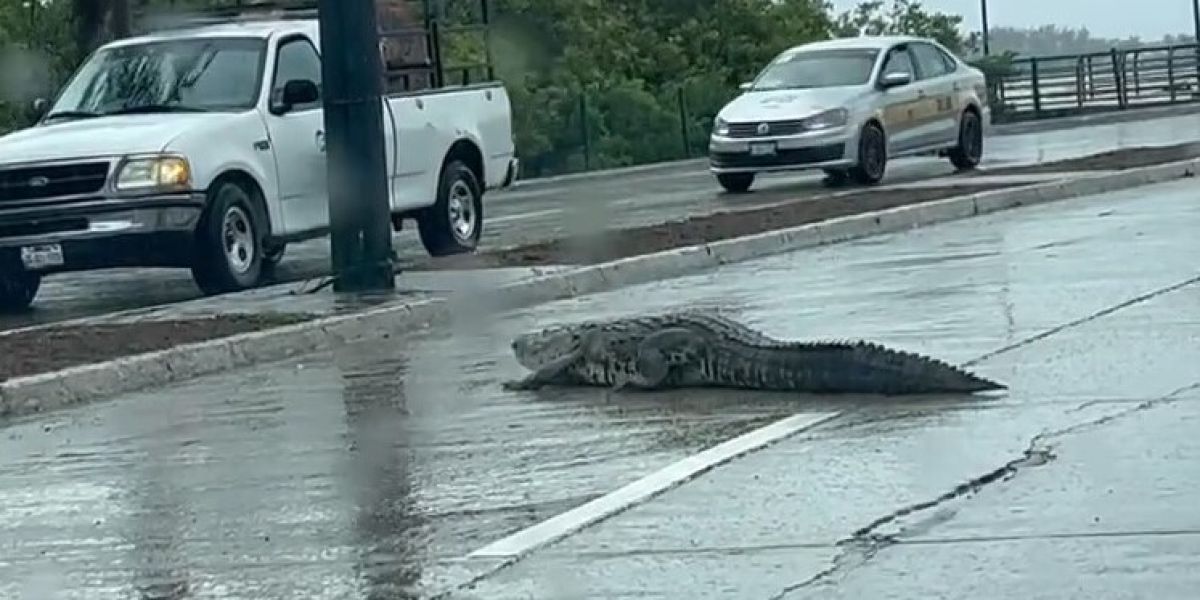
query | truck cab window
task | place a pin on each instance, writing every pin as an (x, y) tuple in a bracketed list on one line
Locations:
[(297, 59)]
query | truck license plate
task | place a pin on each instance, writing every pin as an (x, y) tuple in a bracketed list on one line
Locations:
[(762, 149), (42, 256)]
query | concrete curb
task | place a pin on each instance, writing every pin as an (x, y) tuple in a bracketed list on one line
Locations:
[(27, 395), (77, 385)]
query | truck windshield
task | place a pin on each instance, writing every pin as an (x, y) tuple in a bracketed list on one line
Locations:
[(817, 69), (196, 75)]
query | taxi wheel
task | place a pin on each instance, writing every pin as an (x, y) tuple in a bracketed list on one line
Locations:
[(736, 183), (966, 154), (872, 155), (835, 177)]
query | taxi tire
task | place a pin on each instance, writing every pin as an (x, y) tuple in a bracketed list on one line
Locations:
[(736, 183), (835, 177), (966, 154), (872, 135), (18, 289)]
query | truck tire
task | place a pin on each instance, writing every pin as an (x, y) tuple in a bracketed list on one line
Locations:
[(872, 156), (455, 221), (736, 183), (229, 241), (967, 153), (18, 289)]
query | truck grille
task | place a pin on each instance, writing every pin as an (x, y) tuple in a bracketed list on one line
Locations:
[(51, 181), (774, 128)]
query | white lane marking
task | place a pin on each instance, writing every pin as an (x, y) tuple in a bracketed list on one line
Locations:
[(528, 215), (564, 524)]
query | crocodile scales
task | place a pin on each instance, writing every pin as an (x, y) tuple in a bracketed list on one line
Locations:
[(704, 349)]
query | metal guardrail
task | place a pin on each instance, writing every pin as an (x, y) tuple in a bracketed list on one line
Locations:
[(1042, 87)]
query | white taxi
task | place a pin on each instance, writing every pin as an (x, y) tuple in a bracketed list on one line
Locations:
[(847, 106)]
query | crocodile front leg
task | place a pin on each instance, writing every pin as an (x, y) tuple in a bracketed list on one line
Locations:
[(664, 353), (548, 374)]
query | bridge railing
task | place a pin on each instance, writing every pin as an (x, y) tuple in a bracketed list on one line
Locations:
[(1041, 87)]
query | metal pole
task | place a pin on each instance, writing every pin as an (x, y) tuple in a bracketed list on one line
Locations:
[(1196, 21), (359, 211), (1196, 38), (983, 12)]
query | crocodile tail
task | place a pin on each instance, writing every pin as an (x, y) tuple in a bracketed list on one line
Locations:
[(870, 368), (909, 372)]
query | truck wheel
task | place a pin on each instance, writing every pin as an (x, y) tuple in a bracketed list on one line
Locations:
[(229, 241), (17, 290), (736, 183), (966, 154), (872, 155), (454, 223)]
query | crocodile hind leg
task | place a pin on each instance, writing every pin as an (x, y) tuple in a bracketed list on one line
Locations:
[(664, 354)]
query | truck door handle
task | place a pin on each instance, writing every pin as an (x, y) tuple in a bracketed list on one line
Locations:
[(320, 141)]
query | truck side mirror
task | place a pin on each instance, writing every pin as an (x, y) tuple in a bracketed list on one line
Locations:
[(297, 91)]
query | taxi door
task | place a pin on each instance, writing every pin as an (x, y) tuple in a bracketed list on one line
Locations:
[(939, 111), (902, 105)]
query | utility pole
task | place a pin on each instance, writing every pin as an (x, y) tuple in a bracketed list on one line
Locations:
[(983, 12), (359, 212)]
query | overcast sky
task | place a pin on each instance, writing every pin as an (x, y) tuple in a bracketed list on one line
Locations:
[(1150, 19)]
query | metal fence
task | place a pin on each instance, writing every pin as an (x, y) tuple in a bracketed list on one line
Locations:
[(1055, 86), (620, 127)]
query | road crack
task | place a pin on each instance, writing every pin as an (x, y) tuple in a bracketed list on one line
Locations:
[(866, 542)]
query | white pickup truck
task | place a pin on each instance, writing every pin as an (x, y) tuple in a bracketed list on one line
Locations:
[(203, 148)]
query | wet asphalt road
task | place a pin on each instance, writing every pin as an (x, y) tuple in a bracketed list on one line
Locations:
[(374, 470), (548, 209)]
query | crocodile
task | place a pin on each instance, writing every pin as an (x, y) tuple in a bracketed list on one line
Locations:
[(705, 349)]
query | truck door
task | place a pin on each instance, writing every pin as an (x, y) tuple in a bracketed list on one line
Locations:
[(298, 138)]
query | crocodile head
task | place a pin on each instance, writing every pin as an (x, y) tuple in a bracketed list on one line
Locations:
[(537, 348)]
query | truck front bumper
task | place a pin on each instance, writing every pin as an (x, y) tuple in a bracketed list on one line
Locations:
[(145, 232)]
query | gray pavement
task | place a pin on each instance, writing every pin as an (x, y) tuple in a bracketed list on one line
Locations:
[(376, 469), (541, 210), (1075, 484)]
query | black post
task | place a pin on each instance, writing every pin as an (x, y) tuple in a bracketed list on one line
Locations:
[(983, 12), (359, 211), (1196, 21), (1196, 37), (683, 124)]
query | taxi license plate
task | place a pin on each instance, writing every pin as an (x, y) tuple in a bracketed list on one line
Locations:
[(762, 149), (42, 256)]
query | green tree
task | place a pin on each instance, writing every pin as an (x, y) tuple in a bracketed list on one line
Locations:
[(903, 17)]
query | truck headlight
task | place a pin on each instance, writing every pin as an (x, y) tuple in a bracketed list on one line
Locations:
[(720, 127), (154, 173), (835, 117)]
